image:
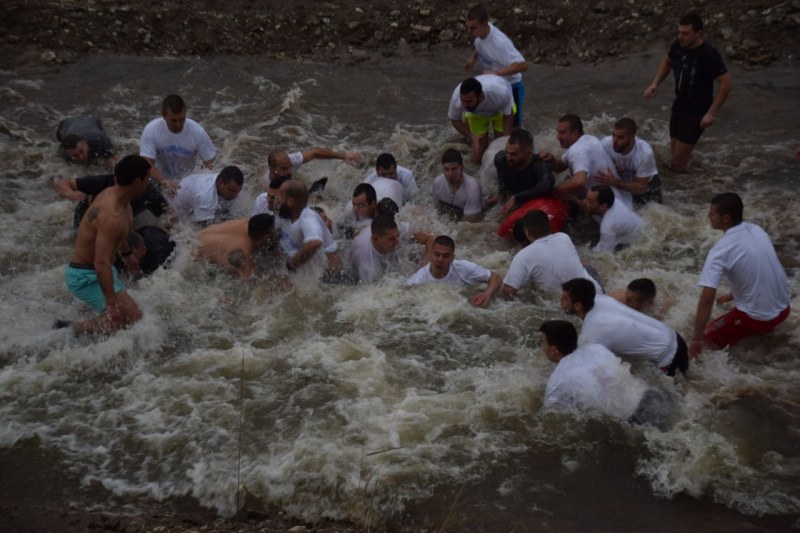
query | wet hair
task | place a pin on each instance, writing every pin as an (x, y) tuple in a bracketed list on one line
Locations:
[(70, 142), (296, 190), (385, 160), (692, 19), (574, 122), (451, 155), (580, 291), (560, 334), (605, 195), (520, 137), (729, 203), (444, 240), (382, 224), (260, 225), (626, 124), (537, 223), (367, 190), (471, 85), (173, 103), (135, 241), (130, 168), (229, 174), (277, 181), (643, 286), (478, 14), (273, 155), (387, 207)]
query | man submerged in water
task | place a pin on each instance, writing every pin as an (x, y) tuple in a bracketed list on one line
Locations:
[(91, 275)]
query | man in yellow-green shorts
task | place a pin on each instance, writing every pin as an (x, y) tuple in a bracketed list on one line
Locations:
[(478, 103)]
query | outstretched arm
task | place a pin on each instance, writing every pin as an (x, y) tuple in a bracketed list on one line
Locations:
[(704, 306), (481, 299), (661, 73), (326, 153), (68, 188)]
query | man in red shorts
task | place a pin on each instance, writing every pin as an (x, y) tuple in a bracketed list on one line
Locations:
[(758, 282)]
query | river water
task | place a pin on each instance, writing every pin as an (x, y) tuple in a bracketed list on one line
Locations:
[(381, 404)]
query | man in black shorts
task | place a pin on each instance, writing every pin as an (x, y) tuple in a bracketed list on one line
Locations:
[(696, 66)]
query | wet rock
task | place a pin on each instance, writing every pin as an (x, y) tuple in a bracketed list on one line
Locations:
[(47, 56), (542, 24), (425, 12), (447, 35), (600, 7), (750, 44)]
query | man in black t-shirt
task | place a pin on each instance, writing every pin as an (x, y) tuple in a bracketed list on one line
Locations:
[(83, 190), (696, 65), (521, 174), (83, 140)]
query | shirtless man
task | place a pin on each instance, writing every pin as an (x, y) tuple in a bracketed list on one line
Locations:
[(90, 275), (232, 244)]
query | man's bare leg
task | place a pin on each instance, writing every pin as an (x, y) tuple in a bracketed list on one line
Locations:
[(129, 313), (479, 145), (680, 155)]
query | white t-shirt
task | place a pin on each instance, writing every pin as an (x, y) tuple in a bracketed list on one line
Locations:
[(197, 198), (406, 179), (640, 162), (498, 98), (261, 205), (627, 332), (497, 51), (308, 227), (745, 255), (548, 262), (461, 273), (588, 155), (592, 378), (175, 153), (620, 225), (468, 197), (295, 158), (388, 188), (367, 262)]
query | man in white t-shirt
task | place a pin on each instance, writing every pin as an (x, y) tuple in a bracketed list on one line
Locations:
[(584, 157), (267, 202), (173, 142), (207, 198), (478, 103), (619, 225), (592, 378), (635, 163), (280, 163), (759, 286), (497, 55), (625, 331), (379, 245), (386, 167), (303, 232), (445, 268), (548, 261), (455, 193)]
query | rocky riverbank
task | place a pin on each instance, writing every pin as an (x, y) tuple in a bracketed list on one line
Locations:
[(755, 32)]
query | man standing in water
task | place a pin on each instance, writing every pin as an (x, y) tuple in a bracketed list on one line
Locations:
[(696, 66), (91, 275), (758, 282), (497, 55)]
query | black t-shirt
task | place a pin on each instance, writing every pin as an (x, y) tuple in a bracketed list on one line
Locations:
[(526, 184), (88, 128), (695, 70), (159, 248), (152, 199)]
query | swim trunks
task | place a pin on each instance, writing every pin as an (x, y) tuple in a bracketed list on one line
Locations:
[(479, 124), (735, 325), (82, 282), (685, 127)]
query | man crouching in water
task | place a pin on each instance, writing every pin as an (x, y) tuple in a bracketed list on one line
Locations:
[(91, 275), (236, 244)]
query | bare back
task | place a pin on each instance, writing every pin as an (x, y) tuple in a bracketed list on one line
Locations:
[(228, 245), (103, 228)]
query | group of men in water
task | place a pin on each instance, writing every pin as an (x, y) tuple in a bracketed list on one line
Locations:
[(608, 179)]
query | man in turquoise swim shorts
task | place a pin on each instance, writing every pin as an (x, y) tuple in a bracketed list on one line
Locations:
[(90, 274)]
